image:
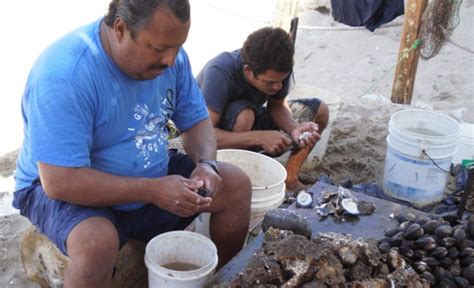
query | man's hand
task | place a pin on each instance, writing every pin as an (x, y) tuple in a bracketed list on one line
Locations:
[(274, 142), (210, 179), (306, 134), (179, 196)]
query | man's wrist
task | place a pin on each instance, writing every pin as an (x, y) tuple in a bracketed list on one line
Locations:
[(212, 163)]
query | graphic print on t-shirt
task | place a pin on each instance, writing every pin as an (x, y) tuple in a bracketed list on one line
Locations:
[(152, 135)]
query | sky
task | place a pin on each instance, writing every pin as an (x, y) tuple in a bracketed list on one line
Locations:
[(29, 26)]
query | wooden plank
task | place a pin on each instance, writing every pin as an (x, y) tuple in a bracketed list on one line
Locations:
[(372, 226), (404, 81)]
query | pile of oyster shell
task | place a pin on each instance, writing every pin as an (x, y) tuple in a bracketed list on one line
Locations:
[(342, 203), (328, 260), (440, 249)]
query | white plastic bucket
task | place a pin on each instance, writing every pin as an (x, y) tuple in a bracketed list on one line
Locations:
[(268, 184), (333, 101), (465, 147), (181, 247), (414, 137)]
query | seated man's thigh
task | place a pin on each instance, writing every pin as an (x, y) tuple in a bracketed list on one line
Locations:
[(231, 113), (263, 120), (56, 219)]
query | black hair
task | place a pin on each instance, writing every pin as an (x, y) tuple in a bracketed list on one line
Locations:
[(137, 13), (268, 49)]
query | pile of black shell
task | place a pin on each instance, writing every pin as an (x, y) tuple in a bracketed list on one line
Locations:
[(441, 249)]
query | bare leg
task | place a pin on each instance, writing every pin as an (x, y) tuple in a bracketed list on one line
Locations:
[(230, 213), (295, 161), (293, 167), (92, 247), (244, 121)]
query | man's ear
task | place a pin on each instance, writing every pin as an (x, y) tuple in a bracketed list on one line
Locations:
[(120, 29), (247, 68), (248, 72)]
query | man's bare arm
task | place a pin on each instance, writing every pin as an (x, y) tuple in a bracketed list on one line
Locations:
[(199, 141), (281, 115), (229, 139), (273, 142), (91, 187)]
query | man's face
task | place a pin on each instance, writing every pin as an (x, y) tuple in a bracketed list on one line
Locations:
[(270, 82), (154, 48)]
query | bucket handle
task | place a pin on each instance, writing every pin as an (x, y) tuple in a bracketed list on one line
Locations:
[(423, 151)]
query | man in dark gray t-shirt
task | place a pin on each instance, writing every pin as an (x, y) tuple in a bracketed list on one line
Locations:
[(245, 92)]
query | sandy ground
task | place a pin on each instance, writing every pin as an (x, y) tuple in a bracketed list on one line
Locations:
[(345, 62), (348, 63)]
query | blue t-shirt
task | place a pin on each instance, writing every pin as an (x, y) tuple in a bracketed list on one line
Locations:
[(81, 110), (222, 81)]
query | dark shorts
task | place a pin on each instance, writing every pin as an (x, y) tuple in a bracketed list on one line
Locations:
[(56, 219), (304, 110)]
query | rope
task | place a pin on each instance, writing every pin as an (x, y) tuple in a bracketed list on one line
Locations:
[(405, 55), (460, 46), (325, 28)]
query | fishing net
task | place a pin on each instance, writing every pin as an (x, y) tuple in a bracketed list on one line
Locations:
[(440, 18)]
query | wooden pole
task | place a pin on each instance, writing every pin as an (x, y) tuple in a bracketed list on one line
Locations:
[(283, 12), (404, 81)]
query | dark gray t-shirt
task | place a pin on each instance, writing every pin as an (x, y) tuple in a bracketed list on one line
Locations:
[(222, 81)]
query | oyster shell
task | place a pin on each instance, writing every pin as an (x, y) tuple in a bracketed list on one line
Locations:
[(350, 206)]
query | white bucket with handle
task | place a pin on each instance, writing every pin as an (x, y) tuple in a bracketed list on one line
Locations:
[(420, 148), (180, 259)]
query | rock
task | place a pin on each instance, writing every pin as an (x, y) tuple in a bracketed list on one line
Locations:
[(45, 264), (285, 219), (261, 268), (8, 163), (12, 275)]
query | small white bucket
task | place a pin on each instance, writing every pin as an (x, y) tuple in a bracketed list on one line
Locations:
[(268, 184), (180, 251), (414, 137), (333, 101), (465, 147)]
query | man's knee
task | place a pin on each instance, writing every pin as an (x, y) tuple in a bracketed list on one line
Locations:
[(94, 243), (245, 120), (237, 188)]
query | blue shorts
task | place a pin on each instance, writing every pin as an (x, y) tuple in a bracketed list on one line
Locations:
[(304, 110), (56, 219)]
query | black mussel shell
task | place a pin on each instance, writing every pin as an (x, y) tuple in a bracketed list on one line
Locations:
[(444, 231)]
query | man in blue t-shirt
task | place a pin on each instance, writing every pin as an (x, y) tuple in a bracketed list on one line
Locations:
[(95, 170), (245, 92)]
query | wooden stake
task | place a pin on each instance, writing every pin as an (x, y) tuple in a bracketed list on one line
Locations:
[(404, 81), (283, 12)]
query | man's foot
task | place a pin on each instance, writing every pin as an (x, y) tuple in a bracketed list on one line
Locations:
[(295, 186)]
